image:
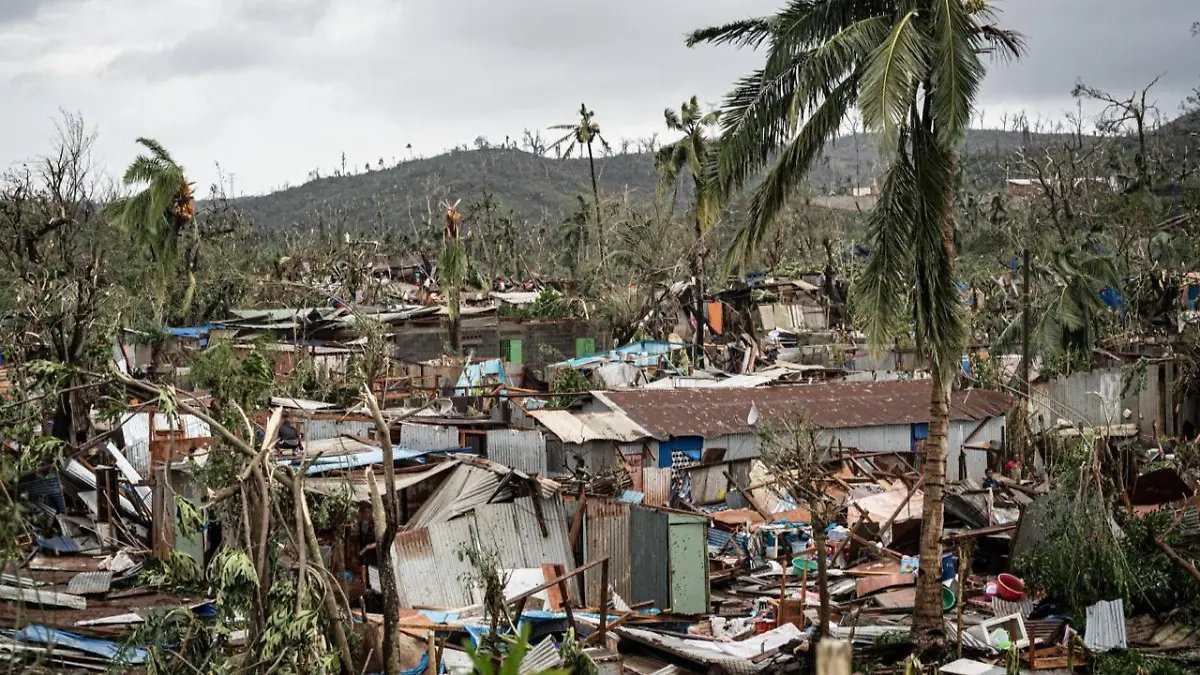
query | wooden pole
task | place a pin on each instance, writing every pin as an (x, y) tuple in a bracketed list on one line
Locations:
[(803, 596), (603, 600), (833, 657)]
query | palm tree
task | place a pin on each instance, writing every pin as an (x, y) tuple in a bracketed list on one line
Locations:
[(162, 210), (913, 69), (692, 154), (581, 135)]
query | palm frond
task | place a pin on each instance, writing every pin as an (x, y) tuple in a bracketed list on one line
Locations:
[(747, 33), (160, 153), (882, 295), (941, 326), (890, 79), (958, 71), (1006, 45), (790, 168)]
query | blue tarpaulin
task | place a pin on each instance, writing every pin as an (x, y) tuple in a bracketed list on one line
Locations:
[(474, 375), (103, 648)]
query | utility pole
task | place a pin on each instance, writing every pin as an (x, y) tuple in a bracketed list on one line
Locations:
[(1025, 388)]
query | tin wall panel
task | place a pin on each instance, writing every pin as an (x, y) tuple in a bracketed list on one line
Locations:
[(323, 429), (689, 564), (428, 437), (430, 568), (521, 450), (649, 557), (656, 483), (606, 533)]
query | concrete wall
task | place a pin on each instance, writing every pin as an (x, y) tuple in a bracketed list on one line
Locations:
[(542, 342)]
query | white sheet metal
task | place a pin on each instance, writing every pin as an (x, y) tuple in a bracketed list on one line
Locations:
[(468, 487), (590, 426), (1105, 628), (524, 450)]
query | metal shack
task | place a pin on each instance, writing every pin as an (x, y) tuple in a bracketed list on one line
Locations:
[(683, 428), (653, 555)]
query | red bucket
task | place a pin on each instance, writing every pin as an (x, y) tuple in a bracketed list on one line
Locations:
[(1010, 588)]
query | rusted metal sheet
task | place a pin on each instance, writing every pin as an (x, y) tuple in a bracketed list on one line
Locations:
[(428, 437), (606, 533), (649, 557), (430, 569), (709, 412), (524, 450), (656, 483)]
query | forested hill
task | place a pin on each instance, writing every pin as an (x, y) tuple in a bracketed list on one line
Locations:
[(536, 187)]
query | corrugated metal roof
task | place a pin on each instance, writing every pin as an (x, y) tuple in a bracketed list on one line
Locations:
[(1105, 628), (713, 412), (524, 450), (468, 487), (540, 659), (360, 492), (428, 436), (583, 427), (432, 571)]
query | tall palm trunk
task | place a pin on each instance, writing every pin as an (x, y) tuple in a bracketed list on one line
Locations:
[(927, 612), (595, 187), (698, 276)]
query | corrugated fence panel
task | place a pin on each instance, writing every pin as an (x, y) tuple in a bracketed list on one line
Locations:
[(430, 569), (656, 483), (428, 437), (606, 533), (521, 450), (649, 560), (323, 429)]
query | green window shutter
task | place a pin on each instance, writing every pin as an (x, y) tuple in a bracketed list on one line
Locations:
[(585, 346)]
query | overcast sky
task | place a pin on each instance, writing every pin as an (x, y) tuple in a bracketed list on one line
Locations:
[(274, 88)]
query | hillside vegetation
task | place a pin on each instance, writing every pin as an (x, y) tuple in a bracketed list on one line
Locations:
[(542, 189)]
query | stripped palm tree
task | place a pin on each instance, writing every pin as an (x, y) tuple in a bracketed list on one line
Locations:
[(913, 69), (581, 135), (453, 267), (692, 155)]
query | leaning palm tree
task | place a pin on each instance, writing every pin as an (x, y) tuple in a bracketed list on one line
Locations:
[(581, 135), (691, 154), (913, 69), (157, 214)]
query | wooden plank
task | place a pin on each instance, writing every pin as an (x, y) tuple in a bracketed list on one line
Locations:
[(43, 598), (868, 585), (904, 598)]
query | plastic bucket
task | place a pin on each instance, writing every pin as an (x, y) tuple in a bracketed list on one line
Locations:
[(1009, 587), (798, 565), (948, 599)]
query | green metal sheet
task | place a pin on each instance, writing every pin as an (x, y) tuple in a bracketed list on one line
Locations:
[(585, 346), (689, 564)]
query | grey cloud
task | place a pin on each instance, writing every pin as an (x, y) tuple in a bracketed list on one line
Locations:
[(1114, 45), (295, 15), (13, 11), (205, 52)]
